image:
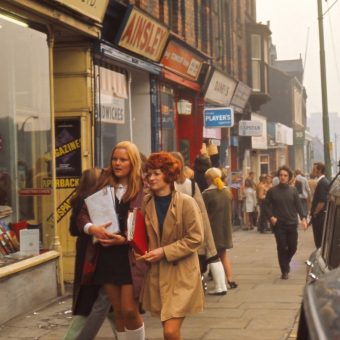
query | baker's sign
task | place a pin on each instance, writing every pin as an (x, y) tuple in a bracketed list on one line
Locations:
[(142, 34)]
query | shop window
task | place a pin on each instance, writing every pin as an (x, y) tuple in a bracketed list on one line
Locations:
[(26, 194), (168, 130), (264, 164), (112, 116)]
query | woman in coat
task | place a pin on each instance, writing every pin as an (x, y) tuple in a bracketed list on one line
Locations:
[(207, 252), (172, 286), (218, 199)]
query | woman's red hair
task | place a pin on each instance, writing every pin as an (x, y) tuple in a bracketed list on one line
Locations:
[(167, 163)]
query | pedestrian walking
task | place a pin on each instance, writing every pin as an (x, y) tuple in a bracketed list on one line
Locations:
[(207, 252), (218, 201), (172, 288), (250, 203), (90, 303), (302, 186), (107, 263), (282, 205), (318, 209), (261, 192)]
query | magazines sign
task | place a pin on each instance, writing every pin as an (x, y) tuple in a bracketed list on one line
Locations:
[(218, 117)]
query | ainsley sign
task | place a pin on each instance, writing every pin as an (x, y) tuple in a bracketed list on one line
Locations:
[(218, 117), (143, 35)]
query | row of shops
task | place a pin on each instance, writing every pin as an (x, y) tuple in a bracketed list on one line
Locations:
[(77, 77)]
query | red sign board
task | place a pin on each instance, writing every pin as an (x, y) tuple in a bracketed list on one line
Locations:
[(34, 192), (182, 61), (143, 35)]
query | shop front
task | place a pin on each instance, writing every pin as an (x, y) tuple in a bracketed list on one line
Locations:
[(30, 253), (181, 103), (126, 73)]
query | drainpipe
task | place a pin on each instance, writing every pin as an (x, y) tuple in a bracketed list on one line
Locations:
[(56, 239)]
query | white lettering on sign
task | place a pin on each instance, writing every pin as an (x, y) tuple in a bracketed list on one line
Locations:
[(218, 118), (112, 109)]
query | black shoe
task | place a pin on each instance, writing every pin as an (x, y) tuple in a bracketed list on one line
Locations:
[(212, 292), (232, 284), (284, 276)]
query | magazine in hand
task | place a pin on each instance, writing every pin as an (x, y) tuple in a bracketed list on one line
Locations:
[(136, 232), (101, 208)]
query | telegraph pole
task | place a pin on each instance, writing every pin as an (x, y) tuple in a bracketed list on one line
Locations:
[(325, 119)]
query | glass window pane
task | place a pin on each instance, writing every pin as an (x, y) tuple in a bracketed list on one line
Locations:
[(256, 75), (256, 46), (112, 112), (25, 128)]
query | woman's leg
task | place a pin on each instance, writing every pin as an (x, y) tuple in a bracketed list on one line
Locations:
[(126, 311), (222, 253), (172, 329)]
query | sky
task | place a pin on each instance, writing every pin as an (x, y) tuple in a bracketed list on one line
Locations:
[(295, 32)]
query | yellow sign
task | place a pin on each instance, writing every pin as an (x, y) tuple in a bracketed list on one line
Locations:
[(143, 35), (62, 209), (61, 183), (67, 148), (94, 9)]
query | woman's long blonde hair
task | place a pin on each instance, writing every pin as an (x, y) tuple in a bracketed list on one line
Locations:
[(135, 178)]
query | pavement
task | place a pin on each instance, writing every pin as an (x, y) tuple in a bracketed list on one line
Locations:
[(262, 307)]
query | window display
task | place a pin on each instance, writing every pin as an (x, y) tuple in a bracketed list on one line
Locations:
[(25, 130)]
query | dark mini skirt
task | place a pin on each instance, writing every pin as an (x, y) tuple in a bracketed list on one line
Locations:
[(113, 266)]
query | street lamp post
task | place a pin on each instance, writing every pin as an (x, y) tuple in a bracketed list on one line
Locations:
[(325, 119)]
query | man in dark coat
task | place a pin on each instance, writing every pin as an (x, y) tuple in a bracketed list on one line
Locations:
[(282, 205), (318, 209)]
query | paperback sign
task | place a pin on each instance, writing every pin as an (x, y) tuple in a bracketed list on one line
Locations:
[(218, 117)]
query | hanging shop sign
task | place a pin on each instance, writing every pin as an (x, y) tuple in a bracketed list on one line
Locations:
[(182, 61), (218, 117), (283, 134), (220, 89), (142, 34), (250, 128), (94, 9), (260, 142), (212, 133), (299, 137), (68, 148), (241, 96)]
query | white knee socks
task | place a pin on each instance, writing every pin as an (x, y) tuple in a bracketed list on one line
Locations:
[(135, 334)]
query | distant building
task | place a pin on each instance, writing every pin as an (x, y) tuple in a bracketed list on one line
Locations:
[(315, 125)]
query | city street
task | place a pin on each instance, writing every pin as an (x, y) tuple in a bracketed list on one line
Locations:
[(262, 307)]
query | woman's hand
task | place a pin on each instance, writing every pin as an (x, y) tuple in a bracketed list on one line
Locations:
[(100, 232), (273, 220), (154, 255), (114, 240)]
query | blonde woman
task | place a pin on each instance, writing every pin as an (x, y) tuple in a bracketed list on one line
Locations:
[(108, 265), (217, 199)]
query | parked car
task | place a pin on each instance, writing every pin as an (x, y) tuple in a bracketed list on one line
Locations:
[(320, 308), (327, 257)]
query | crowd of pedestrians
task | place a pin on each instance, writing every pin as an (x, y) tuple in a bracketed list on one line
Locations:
[(188, 223)]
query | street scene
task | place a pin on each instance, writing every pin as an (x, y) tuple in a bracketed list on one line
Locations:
[(169, 169), (262, 307)]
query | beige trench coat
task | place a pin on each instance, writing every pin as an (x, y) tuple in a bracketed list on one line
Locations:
[(172, 287)]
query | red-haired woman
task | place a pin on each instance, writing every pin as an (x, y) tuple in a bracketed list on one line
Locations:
[(172, 286), (107, 263)]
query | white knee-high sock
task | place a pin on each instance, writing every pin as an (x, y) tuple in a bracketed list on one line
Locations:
[(121, 335), (135, 334)]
